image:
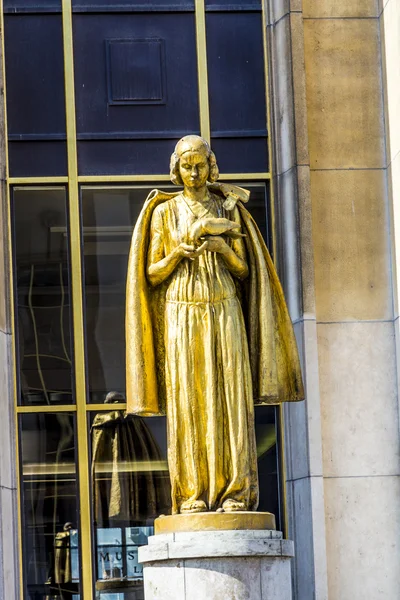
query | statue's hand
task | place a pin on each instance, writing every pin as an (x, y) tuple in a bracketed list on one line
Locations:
[(216, 243), (190, 251)]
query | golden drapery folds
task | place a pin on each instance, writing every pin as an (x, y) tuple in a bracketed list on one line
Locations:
[(274, 360)]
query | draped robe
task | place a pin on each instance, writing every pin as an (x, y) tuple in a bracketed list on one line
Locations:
[(205, 348)]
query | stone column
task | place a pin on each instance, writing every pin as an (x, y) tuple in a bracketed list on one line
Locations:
[(216, 565)]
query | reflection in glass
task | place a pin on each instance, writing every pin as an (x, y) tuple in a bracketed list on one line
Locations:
[(130, 488), (50, 517), (43, 304), (128, 469)]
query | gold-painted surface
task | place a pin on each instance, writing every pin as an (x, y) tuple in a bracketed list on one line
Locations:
[(46, 408), (121, 178), (213, 521), (189, 352), (85, 533), (36, 180), (105, 407), (245, 176), (202, 69)]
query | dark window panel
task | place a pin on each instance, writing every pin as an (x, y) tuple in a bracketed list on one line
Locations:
[(132, 5), (123, 521), (177, 77), (112, 214), (43, 306), (236, 72), (50, 532), (125, 157), (234, 5), (136, 71), (31, 6), (267, 427), (243, 155), (37, 159), (35, 74)]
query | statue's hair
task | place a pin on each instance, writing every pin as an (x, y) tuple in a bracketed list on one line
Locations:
[(174, 164)]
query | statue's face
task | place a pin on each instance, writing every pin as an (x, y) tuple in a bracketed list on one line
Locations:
[(194, 168)]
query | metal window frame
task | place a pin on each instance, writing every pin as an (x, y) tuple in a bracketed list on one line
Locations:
[(72, 182)]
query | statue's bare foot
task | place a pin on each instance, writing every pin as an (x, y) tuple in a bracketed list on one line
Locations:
[(193, 506), (231, 505)]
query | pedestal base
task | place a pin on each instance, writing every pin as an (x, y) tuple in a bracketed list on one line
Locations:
[(217, 565), (213, 521)]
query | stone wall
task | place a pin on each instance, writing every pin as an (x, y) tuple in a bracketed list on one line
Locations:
[(353, 298)]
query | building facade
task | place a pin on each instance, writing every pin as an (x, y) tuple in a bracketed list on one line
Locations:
[(301, 102)]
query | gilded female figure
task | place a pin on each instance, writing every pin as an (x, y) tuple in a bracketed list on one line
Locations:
[(208, 333)]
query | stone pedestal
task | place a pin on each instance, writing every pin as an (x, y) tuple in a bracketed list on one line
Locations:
[(217, 565)]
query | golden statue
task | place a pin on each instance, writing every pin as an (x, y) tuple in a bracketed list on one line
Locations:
[(208, 333)]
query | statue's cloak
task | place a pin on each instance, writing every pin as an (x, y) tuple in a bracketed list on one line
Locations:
[(274, 359)]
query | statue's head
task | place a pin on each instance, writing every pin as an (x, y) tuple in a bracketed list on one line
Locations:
[(193, 163)]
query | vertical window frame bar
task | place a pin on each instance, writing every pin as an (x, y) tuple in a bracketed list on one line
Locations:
[(85, 531), (202, 69)]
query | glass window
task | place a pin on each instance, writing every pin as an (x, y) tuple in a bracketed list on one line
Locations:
[(130, 487), (43, 296), (50, 506)]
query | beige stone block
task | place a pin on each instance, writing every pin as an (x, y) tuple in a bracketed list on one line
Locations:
[(358, 391), (391, 39), (393, 180), (299, 88), (283, 107), (306, 241), (344, 93), (351, 246), (296, 5), (340, 8), (363, 537)]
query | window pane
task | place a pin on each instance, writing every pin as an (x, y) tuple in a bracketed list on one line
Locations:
[(49, 506), (109, 216), (130, 488), (267, 428), (43, 302)]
